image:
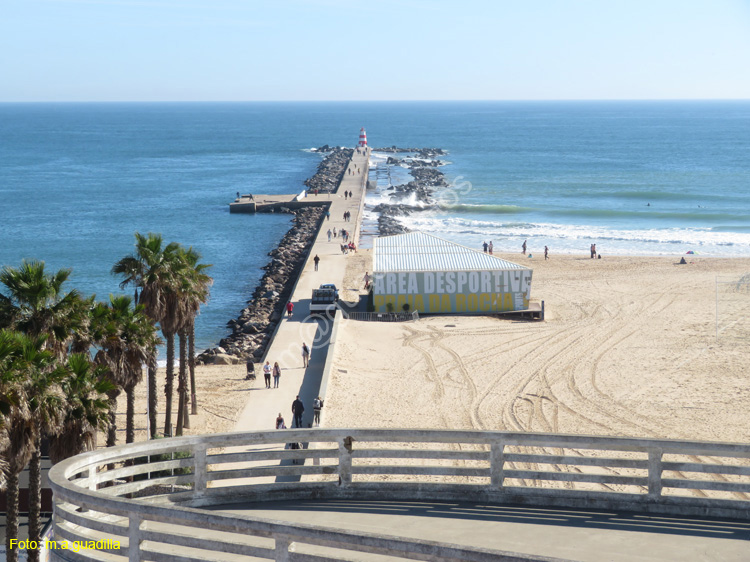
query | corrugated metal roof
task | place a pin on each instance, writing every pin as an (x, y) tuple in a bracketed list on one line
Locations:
[(417, 251)]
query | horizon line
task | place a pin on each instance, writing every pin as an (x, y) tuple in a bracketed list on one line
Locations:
[(513, 100)]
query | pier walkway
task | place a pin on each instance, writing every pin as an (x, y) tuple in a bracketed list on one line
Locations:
[(264, 405)]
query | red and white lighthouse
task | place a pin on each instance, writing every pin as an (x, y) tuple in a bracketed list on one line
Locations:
[(362, 137)]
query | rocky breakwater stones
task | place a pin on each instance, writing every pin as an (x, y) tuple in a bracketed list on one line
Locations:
[(251, 331), (427, 178), (330, 170)]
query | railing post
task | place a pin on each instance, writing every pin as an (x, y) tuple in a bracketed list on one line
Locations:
[(345, 461), (497, 463), (134, 538), (200, 470), (654, 473), (282, 549)]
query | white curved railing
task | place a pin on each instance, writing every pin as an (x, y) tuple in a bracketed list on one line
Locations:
[(147, 495)]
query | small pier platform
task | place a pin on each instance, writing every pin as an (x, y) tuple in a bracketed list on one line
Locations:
[(252, 203)]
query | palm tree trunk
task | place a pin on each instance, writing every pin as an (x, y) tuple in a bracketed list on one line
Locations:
[(35, 498), (153, 395), (181, 385), (191, 364), (11, 531), (184, 399), (130, 414), (112, 431), (168, 387)]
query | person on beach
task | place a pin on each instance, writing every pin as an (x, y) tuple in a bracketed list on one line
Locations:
[(593, 251), (280, 422), (367, 280), (485, 246), (523, 247), (316, 259), (289, 309), (276, 374), (267, 374), (317, 405), (250, 366), (297, 409), (329, 234), (546, 253), (490, 247), (305, 355)]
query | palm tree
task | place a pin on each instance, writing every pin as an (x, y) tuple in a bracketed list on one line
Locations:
[(35, 303), (84, 389), (32, 406), (126, 339), (198, 296), (192, 293), (15, 425), (47, 408), (149, 270)]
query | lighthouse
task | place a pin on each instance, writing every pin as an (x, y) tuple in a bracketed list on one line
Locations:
[(362, 138)]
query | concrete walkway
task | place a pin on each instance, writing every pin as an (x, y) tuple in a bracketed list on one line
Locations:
[(264, 405), (570, 534)]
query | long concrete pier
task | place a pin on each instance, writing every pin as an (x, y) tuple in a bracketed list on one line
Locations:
[(264, 405)]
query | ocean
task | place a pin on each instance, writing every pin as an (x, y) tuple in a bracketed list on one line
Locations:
[(640, 178)]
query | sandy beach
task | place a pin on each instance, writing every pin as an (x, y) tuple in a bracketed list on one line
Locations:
[(628, 347)]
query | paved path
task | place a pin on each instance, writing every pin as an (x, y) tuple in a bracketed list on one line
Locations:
[(572, 534), (264, 405)]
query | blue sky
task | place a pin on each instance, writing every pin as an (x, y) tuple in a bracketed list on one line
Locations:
[(184, 50)]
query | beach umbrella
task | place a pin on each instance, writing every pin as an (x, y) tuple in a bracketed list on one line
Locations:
[(691, 252)]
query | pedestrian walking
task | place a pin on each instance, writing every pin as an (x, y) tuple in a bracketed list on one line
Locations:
[(346, 194), (367, 280), (523, 247), (317, 405), (484, 247), (328, 214), (267, 374), (276, 374), (298, 409), (289, 309), (305, 355), (334, 232), (490, 247), (329, 234), (250, 366), (316, 259), (546, 252)]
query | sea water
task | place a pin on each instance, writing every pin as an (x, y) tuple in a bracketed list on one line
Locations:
[(645, 178)]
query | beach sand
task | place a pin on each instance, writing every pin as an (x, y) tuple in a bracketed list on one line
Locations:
[(628, 347)]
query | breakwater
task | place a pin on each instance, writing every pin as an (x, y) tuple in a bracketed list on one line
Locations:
[(252, 330), (416, 195)]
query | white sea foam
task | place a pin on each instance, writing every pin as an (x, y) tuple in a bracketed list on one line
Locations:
[(566, 238)]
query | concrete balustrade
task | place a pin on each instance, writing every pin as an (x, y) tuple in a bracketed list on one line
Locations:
[(150, 501)]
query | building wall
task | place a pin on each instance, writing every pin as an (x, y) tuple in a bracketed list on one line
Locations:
[(461, 292)]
